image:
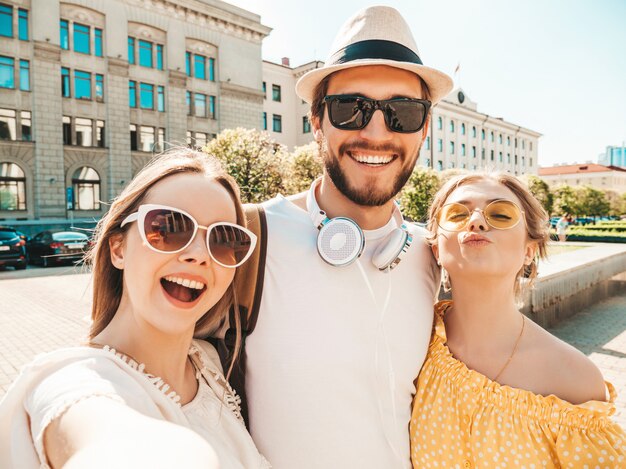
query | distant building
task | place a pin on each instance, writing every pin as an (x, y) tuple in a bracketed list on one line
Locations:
[(588, 174), (614, 156)]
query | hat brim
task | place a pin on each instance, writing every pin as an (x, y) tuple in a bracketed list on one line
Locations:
[(439, 84)]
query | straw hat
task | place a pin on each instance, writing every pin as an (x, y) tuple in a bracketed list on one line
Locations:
[(376, 35)]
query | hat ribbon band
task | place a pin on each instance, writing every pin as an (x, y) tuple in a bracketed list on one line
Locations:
[(374, 49)]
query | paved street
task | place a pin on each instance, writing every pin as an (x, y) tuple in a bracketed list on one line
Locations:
[(39, 314)]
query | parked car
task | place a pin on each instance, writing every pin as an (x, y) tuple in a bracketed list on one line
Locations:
[(57, 247), (12, 248)]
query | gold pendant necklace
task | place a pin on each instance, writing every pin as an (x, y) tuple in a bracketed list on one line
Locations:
[(514, 349)]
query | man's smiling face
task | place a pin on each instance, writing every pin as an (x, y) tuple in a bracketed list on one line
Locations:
[(370, 166)]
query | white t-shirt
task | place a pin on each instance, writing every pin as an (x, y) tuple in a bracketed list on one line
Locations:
[(316, 397)]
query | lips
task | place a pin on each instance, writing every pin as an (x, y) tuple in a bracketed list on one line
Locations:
[(474, 239), (182, 289)]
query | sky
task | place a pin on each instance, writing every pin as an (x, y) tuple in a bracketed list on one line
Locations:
[(557, 67)]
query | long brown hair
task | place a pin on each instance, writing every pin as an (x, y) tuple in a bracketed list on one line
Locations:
[(108, 280)]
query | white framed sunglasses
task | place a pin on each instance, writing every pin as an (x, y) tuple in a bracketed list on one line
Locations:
[(169, 230)]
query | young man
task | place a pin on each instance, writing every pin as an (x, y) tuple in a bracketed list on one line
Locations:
[(338, 341)]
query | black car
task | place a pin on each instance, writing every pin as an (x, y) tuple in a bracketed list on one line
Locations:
[(57, 247), (12, 248)]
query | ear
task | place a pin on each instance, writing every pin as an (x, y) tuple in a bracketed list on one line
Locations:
[(116, 246), (435, 249), (316, 125), (530, 252)]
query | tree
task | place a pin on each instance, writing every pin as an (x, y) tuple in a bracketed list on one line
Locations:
[(566, 201), (593, 202), (253, 159), (540, 189), (617, 203), (418, 193), (304, 165)]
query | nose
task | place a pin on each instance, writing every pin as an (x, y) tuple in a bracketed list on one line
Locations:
[(376, 129), (198, 251), (477, 221)]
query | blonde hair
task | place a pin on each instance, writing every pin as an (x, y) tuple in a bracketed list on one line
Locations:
[(108, 280), (537, 228)]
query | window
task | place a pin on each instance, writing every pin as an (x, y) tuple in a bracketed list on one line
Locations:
[(6, 20), (491, 153), (211, 69), (462, 129), (482, 134), (99, 88), (277, 122), (7, 72), (201, 139), (8, 125), (84, 132), (462, 149), (199, 66), (146, 137), (276, 93), (100, 133), (516, 165), (523, 144), (516, 143), (530, 162), (24, 75), (132, 93), (500, 156), (508, 141), (491, 136), (482, 154), (26, 124), (212, 107), (451, 146), (133, 137), (81, 38), (98, 42), (67, 130), (159, 57), (306, 125), (86, 184), (439, 123), (189, 138), (12, 187), (451, 126), (508, 158), (439, 145), (160, 146), (188, 63), (82, 85), (146, 96), (65, 82), (65, 35), (439, 165), (22, 25), (428, 145), (500, 139), (473, 131), (200, 105), (188, 100), (265, 121), (131, 50), (264, 90), (145, 53), (473, 151), (160, 98), (530, 147)]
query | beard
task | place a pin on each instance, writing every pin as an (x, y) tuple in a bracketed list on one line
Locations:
[(369, 195)]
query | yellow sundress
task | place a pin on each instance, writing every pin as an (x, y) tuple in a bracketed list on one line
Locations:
[(462, 419)]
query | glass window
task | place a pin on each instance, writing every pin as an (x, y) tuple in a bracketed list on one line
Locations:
[(22, 25), (500, 138), (199, 66), (482, 154), (530, 145), (482, 134), (462, 149), (439, 145), (82, 85), (161, 140), (6, 20), (451, 126), (516, 143), (99, 87), (212, 107), (86, 184), (523, 144), (81, 38), (491, 136), (439, 165), (508, 141), (160, 98), (306, 125), (7, 72), (65, 82), (7, 125), (264, 121), (211, 69), (132, 93), (277, 122), (98, 42), (159, 56), (65, 35), (26, 124), (12, 187), (147, 138), (188, 138), (462, 129), (276, 95), (428, 145), (133, 137), (473, 131), (188, 101), (201, 139), (188, 63), (131, 50), (100, 133), (24, 75), (146, 96), (452, 148), (67, 130), (84, 132), (264, 90), (473, 151), (145, 53), (508, 158), (200, 105), (500, 156), (491, 157)]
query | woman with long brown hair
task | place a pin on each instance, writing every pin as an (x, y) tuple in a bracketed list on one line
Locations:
[(143, 392)]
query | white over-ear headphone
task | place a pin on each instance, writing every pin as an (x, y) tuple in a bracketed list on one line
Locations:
[(341, 241)]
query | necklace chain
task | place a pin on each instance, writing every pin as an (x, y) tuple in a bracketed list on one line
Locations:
[(514, 349)]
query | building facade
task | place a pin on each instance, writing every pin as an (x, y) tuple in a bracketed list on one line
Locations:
[(587, 174), (91, 89), (613, 156)]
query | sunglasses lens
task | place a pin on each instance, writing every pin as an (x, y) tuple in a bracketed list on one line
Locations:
[(453, 217), (502, 214), (229, 245), (404, 115), (349, 113), (168, 230)]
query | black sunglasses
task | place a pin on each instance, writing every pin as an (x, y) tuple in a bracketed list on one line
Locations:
[(353, 112)]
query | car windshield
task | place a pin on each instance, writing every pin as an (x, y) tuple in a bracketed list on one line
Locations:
[(65, 236), (7, 235)]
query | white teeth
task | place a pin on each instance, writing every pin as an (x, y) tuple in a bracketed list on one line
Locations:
[(372, 159), (185, 282)]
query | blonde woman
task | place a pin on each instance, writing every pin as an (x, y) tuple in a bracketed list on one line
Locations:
[(496, 390), (143, 392)]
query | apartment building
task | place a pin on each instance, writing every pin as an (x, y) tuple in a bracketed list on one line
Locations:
[(91, 89), (587, 174)]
